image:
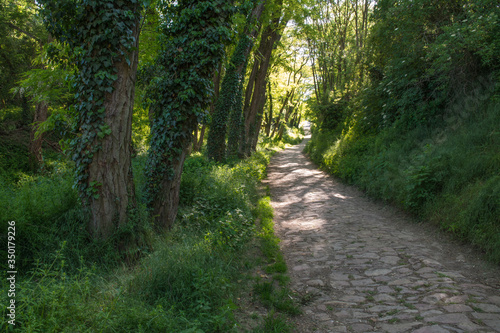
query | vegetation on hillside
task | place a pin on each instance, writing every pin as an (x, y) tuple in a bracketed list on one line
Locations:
[(422, 129)]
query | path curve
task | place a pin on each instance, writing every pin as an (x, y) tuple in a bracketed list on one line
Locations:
[(362, 266)]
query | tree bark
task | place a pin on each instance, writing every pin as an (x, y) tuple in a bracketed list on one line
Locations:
[(41, 114), (255, 96), (269, 117), (111, 166)]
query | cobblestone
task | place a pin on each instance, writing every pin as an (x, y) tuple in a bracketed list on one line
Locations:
[(371, 267)]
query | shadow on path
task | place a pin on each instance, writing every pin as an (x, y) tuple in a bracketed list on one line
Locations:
[(365, 267)]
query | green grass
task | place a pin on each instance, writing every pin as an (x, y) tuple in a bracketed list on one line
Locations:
[(273, 293), (185, 281), (274, 323)]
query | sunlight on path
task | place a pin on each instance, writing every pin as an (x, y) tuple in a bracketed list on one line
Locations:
[(363, 267)]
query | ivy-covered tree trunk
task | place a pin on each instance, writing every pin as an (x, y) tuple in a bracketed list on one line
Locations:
[(235, 123), (229, 103), (198, 140), (216, 144), (104, 35), (195, 35), (111, 166)]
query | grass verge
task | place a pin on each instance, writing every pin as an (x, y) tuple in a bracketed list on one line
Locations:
[(186, 280)]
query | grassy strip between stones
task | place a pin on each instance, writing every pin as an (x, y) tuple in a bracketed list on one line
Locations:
[(272, 288)]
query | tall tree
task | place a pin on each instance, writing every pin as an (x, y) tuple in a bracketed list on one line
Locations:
[(255, 95), (336, 37), (104, 35), (194, 36), (229, 102)]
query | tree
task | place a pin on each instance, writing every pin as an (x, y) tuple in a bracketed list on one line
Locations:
[(21, 33), (255, 94), (286, 87), (194, 34), (104, 35), (336, 37), (229, 103)]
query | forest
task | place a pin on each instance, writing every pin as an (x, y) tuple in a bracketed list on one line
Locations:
[(134, 136)]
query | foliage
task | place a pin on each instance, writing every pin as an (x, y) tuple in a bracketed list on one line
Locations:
[(439, 173), (14, 158), (47, 213), (21, 33), (100, 33), (420, 133), (181, 92), (187, 283), (425, 54), (229, 103)]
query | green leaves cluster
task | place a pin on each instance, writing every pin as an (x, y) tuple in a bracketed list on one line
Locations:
[(426, 53), (100, 33), (21, 33)]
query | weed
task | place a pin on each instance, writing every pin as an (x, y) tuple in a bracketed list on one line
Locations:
[(274, 323)]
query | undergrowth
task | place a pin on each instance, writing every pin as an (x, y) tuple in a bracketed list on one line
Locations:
[(184, 281)]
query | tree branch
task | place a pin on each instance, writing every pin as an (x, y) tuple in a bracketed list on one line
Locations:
[(25, 32)]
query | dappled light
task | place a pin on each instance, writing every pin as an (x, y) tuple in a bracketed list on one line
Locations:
[(135, 138)]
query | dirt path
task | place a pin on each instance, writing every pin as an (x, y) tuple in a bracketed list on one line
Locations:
[(361, 266)]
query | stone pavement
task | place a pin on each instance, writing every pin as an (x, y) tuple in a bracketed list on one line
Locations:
[(361, 266)]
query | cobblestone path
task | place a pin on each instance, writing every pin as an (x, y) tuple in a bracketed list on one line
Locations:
[(361, 266)]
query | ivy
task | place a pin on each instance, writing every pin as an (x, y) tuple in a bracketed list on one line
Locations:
[(230, 104), (236, 125), (194, 35), (228, 101), (100, 34)]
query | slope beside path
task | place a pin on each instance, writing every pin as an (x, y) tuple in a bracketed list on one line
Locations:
[(361, 266)]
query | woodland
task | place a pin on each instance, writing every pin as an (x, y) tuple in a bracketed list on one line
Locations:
[(134, 135)]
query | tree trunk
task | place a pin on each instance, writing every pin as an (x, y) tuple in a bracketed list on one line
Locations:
[(255, 96), (229, 106), (198, 139), (256, 90), (258, 126), (111, 166), (41, 114), (235, 122), (184, 74), (216, 80), (269, 117), (166, 205)]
